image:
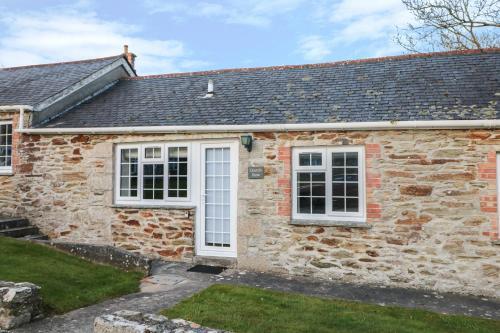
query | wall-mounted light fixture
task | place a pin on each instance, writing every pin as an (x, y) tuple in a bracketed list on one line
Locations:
[(246, 141)]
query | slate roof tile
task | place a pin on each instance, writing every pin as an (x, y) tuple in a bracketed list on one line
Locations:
[(30, 85), (439, 86)]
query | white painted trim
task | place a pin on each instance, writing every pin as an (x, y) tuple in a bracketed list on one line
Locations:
[(10, 108), (358, 217), (85, 81), (359, 126), (201, 249)]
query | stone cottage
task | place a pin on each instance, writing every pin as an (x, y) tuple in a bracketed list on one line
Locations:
[(372, 171)]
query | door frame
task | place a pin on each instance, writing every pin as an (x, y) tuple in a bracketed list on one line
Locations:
[(200, 248)]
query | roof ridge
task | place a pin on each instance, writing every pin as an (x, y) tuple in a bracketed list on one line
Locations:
[(60, 63), (320, 65)]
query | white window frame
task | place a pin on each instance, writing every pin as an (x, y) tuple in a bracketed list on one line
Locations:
[(329, 215), (7, 170), (142, 160)]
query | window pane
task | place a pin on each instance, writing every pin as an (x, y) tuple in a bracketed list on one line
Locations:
[(125, 169), (304, 159), (338, 204), (351, 174), (304, 189), (128, 172), (183, 169), (153, 181), (318, 205), (148, 169), (158, 195), (318, 177), (310, 159), (304, 206), (304, 176), (351, 159), (311, 192), (153, 152), (5, 145), (338, 159), (178, 170), (338, 189), (316, 159), (124, 182), (351, 189), (148, 182), (183, 154), (351, 205), (345, 186), (338, 174), (318, 190)]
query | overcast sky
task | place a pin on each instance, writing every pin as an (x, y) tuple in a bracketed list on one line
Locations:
[(175, 35)]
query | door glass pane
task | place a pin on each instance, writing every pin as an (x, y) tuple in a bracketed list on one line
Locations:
[(217, 197)]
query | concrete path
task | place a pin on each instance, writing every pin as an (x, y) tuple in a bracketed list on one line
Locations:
[(168, 285), (171, 283)]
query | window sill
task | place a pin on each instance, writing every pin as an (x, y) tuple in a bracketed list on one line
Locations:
[(145, 206), (343, 224), (6, 173)]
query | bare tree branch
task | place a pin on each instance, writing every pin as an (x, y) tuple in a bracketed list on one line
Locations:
[(451, 25)]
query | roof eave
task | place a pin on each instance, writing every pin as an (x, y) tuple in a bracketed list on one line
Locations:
[(358, 126)]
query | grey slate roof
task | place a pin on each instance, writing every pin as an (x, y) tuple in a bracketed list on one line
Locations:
[(30, 85), (455, 85)]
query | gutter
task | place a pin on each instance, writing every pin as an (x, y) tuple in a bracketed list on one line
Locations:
[(358, 126), (20, 108)]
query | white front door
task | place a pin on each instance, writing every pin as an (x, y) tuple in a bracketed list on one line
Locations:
[(218, 185)]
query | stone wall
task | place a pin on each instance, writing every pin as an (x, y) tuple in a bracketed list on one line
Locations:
[(20, 303), (431, 202), (66, 188), (8, 193), (136, 322), (159, 233)]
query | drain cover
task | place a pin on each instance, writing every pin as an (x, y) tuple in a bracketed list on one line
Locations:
[(207, 269)]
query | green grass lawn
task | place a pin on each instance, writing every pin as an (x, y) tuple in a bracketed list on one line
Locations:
[(245, 309), (67, 282)]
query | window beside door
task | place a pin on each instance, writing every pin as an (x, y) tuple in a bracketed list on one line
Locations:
[(329, 184), (152, 173)]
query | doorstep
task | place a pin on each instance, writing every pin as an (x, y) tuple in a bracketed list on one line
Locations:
[(215, 261)]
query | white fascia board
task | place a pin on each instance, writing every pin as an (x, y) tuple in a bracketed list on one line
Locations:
[(352, 126), (10, 108)]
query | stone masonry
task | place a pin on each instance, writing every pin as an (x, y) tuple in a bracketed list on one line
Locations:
[(136, 322), (20, 303), (431, 202)]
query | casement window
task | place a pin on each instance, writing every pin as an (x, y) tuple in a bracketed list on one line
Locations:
[(329, 184), (152, 173), (5, 147)]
